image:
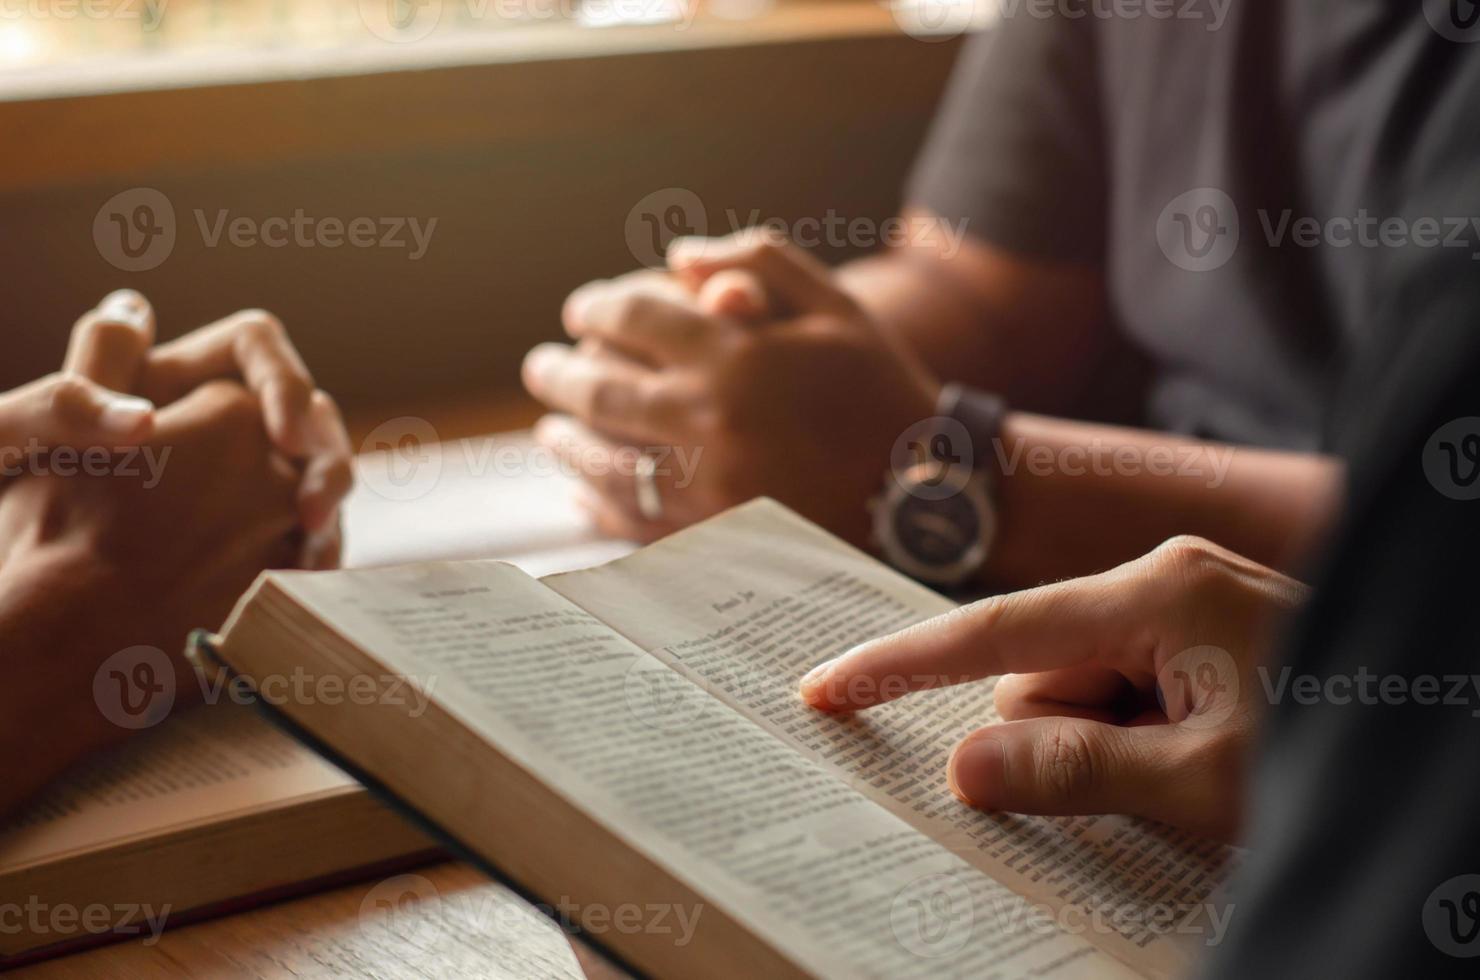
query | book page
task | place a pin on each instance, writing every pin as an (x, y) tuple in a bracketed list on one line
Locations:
[(196, 768), (412, 924), (496, 496), (747, 603), (839, 884)]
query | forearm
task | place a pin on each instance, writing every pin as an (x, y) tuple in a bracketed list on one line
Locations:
[(1035, 332), (1075, 498)]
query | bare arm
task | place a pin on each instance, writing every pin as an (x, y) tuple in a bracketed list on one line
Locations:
[(1031, 330), (1076, 498)]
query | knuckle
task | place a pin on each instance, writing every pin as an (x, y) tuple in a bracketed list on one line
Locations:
[(741, 348), (746, 357), (1009, 696), (66, 394), (261, 324), (709, 423), (664, 404), (731, 427), (257, 330), (259, 334), (296, 388), (691, 331), (1067, 763), (284, 480), (1190, 559), (981, 618), (339, 475), (605, 397), (68, 391), (632, 307)]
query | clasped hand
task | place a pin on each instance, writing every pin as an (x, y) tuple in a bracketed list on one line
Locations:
[(144, 488)]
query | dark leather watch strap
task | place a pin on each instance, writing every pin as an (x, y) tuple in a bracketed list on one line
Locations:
[(981, 414)]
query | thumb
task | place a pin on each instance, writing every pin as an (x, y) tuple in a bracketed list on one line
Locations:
[(1073, 766), (69, 410)]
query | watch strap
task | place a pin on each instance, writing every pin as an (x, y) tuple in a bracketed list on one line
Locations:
[(981, 414)]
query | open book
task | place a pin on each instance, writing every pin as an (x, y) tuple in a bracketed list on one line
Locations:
[(629, 737)]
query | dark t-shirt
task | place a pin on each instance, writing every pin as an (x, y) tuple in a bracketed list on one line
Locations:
[(1191, 157), (1366, 824), (1067, 139)]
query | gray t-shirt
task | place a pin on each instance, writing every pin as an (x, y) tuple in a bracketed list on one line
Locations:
[(1241, 171), (1067, 139)]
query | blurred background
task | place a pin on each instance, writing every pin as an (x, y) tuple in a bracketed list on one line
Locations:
[(415, 186)]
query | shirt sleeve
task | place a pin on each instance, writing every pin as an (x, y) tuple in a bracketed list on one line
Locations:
[(1016, 149)]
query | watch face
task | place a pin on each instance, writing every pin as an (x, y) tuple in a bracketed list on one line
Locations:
[(937, 533)]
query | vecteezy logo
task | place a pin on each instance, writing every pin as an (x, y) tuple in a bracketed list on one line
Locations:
[(941, 20), (1199, 230), (933, 916), (942, 441), (739, 9), (135, 688), (661, 698), (1463, 456), (401, 21), (404, 904), (1454, 20), (660, 217), (1451, 916), (408, 461), (134, 230), (1199, 687), (1451, 458)]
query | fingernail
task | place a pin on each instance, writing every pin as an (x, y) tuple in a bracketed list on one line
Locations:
[(123, 306), (579, 302), (540, 365), (977, 771), (124, 414), (815, 680)]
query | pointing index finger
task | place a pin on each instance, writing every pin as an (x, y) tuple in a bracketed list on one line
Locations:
[(1046, 628)]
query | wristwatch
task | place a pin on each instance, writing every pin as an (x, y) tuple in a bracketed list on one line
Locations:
[(937, 516)]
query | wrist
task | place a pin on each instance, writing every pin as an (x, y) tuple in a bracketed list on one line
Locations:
[(48, 716), (842, 496), (936, 519)]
